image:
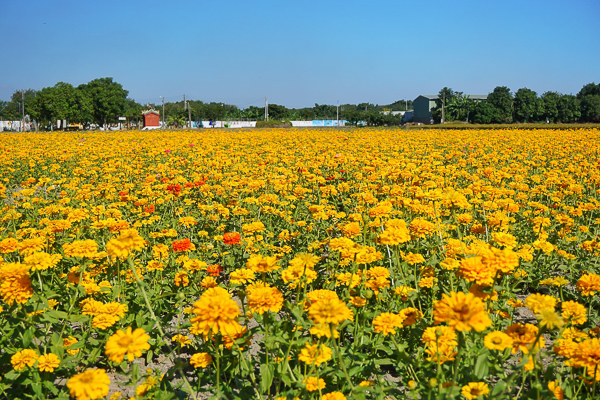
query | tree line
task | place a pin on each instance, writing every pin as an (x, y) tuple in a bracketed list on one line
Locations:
[(101, 101), (524, 106), (370, 114)]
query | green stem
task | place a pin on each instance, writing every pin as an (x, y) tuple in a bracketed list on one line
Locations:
[(337, 350), (158, 326)]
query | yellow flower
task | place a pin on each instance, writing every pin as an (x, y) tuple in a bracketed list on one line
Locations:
[(497, 341), (15, 284), (330, 311), (474, 269), (314, 383), (524, 336), (410, 315), (201, 360), (23, 358), (241, 276), (81, 248), (181, 339), (589, 284), (181, 279), (68, 342), (463, 311), (127, 241), (48, 362), (90, 384), (538, 302), (333, 396), (9, 245), (127, 343), (475, 389), (556, 390), (358, 301), (315, 354), (574, 312), (42, 261), (216, 313), (413, 259), (260, 264), (304, 260), (386, 323), (265, 299), (550, 318)]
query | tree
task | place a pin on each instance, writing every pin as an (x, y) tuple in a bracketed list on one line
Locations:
[(550, 104), (277, 112), (484, 113), (502, 101), (64, 102), (108, 99), (589, 89), (590, 108), (569, 109), (445, 94), (527, 106)]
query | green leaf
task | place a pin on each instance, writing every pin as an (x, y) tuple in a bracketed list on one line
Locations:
[(37, 389), (500, 387), (383, 361), (481, 366), (149, 356), (78, 318), (57, 314), (27, 336), (12, 375), (266, 377)]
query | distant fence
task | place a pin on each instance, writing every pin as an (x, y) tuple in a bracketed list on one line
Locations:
[(14, 126), (252, 124)]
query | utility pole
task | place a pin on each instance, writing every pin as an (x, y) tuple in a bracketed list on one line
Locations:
[(163, 99), (184, 105), (266, 109), (23, 100), (337, 116), (190, 116), (443, 107)]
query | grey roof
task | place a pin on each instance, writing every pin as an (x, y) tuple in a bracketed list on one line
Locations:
[(471, 96)]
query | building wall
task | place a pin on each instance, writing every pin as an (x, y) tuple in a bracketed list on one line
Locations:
[(151, 120), (422, 109)]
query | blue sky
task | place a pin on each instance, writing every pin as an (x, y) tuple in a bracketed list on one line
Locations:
[(303, 52)]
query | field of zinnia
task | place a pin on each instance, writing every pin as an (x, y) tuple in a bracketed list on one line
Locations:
[(308, 264)]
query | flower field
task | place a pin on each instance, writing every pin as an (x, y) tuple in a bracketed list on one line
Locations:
[(309, 264)]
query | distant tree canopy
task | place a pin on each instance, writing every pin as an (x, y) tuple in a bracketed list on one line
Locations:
[(524, 106), (101, 101)]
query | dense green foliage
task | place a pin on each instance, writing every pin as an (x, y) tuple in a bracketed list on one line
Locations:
[(101, 101), (524, 106)]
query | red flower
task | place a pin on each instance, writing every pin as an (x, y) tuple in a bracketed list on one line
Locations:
[(231, 238), (174, 188), (149, 209), (183, 245), (214, 270)]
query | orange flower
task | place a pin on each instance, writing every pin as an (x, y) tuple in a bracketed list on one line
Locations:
[(232, 238), (183, 245)]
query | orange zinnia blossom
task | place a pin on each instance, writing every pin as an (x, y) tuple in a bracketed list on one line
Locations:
[(231, 238), (183, 245)]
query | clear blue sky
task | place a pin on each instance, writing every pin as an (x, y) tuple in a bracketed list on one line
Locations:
[(300, 52)]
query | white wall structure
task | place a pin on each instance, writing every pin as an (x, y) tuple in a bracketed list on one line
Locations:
[(222, 124), (14, 126), (318, 123)]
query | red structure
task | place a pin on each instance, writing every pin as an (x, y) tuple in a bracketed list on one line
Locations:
[(151, 118)]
